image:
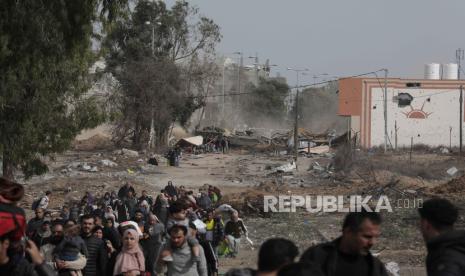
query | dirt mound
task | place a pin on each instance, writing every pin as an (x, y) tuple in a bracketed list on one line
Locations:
[(455, 186), (251, 201), (96, 142)]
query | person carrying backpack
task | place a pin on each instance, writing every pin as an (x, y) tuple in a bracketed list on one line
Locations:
[(42, 202)]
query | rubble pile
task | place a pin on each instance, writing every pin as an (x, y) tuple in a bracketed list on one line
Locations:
[(455, 187)]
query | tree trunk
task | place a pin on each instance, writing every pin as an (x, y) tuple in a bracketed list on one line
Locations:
[(8, 167), (162, 137)]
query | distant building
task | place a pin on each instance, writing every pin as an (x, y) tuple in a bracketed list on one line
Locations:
[(423, 109)]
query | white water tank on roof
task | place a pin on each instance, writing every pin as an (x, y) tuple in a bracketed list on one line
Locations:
[(450, 71), (433, 71)]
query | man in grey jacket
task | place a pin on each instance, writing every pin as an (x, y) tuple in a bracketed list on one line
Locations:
[(183, 262)]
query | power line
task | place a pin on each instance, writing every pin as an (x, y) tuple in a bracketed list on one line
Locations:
[(320, 83), (294, 87), (348, 77)]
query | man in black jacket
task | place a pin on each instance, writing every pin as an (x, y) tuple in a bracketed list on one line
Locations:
[(350, 253), (124, 191), (97, 255), (446, 246)]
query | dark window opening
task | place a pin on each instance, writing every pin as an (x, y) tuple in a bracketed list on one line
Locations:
[(404, 99), (413, 84)]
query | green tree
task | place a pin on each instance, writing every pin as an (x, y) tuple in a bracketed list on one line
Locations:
[(45, 55), (157, 79)]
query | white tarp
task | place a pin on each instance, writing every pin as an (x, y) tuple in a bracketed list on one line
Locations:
[(196, 140), (285, 168)]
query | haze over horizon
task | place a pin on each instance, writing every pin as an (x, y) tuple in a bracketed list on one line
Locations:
[(340, 38)]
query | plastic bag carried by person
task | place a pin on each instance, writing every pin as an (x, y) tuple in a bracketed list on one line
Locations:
[(201, 226)]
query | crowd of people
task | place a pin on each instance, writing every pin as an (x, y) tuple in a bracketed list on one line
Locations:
[(182, 233), (178, 232)]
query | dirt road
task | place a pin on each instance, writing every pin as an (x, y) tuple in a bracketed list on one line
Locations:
[(241, 176)]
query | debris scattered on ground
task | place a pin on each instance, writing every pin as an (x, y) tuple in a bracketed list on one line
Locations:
[(455, 187), (108, 163), (289, 167), (126, 152), (444, 150), (393, 268), (315, 150), (452, 171)]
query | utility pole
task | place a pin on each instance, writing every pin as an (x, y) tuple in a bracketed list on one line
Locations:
[(222, 90), (235, 100), (240, 71), (256, 67), (296, 117), (459, 56), (385, 110)]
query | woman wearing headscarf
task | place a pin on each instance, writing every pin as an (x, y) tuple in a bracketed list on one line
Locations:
[(106, 199), (160, 208), (110, 232), (131, 258), (145, 208), (110, 213), (152, 241)]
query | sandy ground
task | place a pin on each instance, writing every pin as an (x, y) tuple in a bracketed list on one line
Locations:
[(244, 177)]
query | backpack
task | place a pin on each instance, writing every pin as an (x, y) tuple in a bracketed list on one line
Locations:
[(35, 204), (13, 221)]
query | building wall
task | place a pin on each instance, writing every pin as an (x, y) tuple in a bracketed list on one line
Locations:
[(350, 97), (431, 119)]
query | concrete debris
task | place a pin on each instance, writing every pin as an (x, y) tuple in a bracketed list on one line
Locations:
[(108, 163), (393, 268), (288, 177), (319, 149), (444, 150), (126, 152), (452, 171), (64, 171), (140, 160), (324, 149), (317, 167), (289, 167), (412, 192), (81, 166), (130, 153)]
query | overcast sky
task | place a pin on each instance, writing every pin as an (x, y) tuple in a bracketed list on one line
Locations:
[(340, 37)]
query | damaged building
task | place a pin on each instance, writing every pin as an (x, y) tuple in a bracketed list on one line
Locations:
[(419, 111)]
